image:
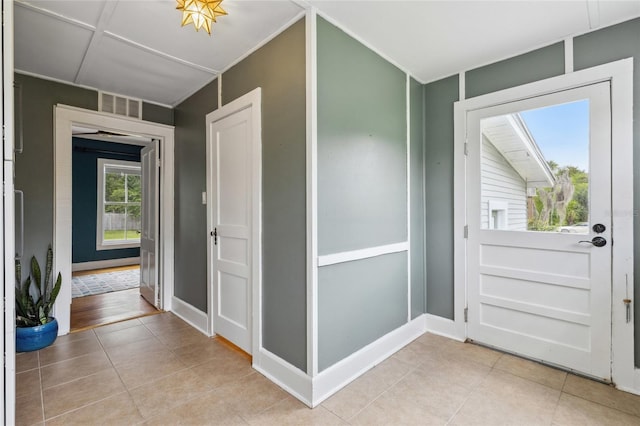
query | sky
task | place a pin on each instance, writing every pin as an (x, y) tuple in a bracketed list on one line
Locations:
[(562, 132)]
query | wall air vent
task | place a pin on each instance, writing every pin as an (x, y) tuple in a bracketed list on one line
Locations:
[(120, 105)]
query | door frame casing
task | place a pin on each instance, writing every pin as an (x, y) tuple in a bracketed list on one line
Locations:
[(620, 74), (251, 100), (64, 118)]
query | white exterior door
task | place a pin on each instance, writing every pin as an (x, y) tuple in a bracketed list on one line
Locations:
[(149, 288), (537, 291), (231, 247)]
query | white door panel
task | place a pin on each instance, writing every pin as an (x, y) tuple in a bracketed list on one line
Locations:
[(230, 148), (149, 288), (544, 295)]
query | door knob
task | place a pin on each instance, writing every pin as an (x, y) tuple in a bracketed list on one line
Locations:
[(596, 241)]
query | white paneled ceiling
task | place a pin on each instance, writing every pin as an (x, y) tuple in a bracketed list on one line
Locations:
[(137, 48)]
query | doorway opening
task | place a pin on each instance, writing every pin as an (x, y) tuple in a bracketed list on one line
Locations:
[(155, 236), (107, 203)]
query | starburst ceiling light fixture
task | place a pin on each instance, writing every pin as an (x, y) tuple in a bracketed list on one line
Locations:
[(200, 13)]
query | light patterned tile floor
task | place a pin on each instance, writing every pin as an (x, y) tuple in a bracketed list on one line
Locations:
[(157, 370)]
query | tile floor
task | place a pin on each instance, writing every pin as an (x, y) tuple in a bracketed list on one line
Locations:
[(157, 370)]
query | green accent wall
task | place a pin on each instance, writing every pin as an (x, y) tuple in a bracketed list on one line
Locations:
[(362, 156), (359, 302), (190, 182), (439, 97), (279, 68), (531, 66), (416, 167), (607, 45), (34, 167), (362, 193)]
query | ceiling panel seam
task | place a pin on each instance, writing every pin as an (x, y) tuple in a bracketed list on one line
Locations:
[(57, 16), (160, 54), (90, 52)]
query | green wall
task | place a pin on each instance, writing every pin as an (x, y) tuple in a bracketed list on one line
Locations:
[(416, 168), (608, 45), (190, 181), (362, 194), (34, 167), (279, 69), (531, 66), (439, 97)]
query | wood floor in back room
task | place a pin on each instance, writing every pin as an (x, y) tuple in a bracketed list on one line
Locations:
[(91, 311)]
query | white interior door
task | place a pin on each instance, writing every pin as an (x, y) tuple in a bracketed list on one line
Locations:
[(149, 288), (231, 250), (536, 287)]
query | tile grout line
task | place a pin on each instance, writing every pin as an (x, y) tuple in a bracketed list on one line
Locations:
[(41, 388), (126, 389), (472, 389), (411, 370)]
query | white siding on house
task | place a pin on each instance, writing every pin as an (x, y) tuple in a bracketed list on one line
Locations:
[(500, 183)]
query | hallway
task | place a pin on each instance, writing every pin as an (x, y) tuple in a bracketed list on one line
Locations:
[(158, 370)]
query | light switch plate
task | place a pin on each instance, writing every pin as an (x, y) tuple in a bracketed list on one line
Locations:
[(204, 198)]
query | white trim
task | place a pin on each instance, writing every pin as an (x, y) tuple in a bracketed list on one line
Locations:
[(64, 118), (252, 100), (285, 375), (345, 371), (624, 374), (219, 90), (408, 145), (568, 55), (462, 86), (190, 314), (350, 256), (103, 264), (442, 327), (7, 215), (593, 13), (312, 190), (620, 73)]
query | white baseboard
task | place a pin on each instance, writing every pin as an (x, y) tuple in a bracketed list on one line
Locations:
[(190, 314), (339, 375), (102, 264), (285, 375), (442, 327)]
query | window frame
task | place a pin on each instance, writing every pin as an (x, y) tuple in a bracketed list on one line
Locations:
[(127, 167)]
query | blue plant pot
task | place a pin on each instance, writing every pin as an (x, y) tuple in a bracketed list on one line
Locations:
[(35, 338)]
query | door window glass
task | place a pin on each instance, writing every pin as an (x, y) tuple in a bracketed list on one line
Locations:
[(535, 170)]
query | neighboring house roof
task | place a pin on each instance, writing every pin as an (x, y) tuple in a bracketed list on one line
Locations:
[(510, 135)]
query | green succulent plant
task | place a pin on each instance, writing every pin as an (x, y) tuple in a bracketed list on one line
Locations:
[(34, 306)]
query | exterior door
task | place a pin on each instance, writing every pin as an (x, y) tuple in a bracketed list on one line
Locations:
[(230, 150), (539, 228), (149, 288)]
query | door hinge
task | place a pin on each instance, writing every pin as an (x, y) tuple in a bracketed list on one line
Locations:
[(466, 148), (466, 231), (466, 314)]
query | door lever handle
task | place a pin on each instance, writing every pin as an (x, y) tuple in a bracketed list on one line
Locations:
[(214, 234), (596, 241)]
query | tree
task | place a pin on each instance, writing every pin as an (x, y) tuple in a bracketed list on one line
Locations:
[(565, 203)]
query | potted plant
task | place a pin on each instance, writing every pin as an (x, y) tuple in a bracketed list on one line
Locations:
[(35, 328)]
